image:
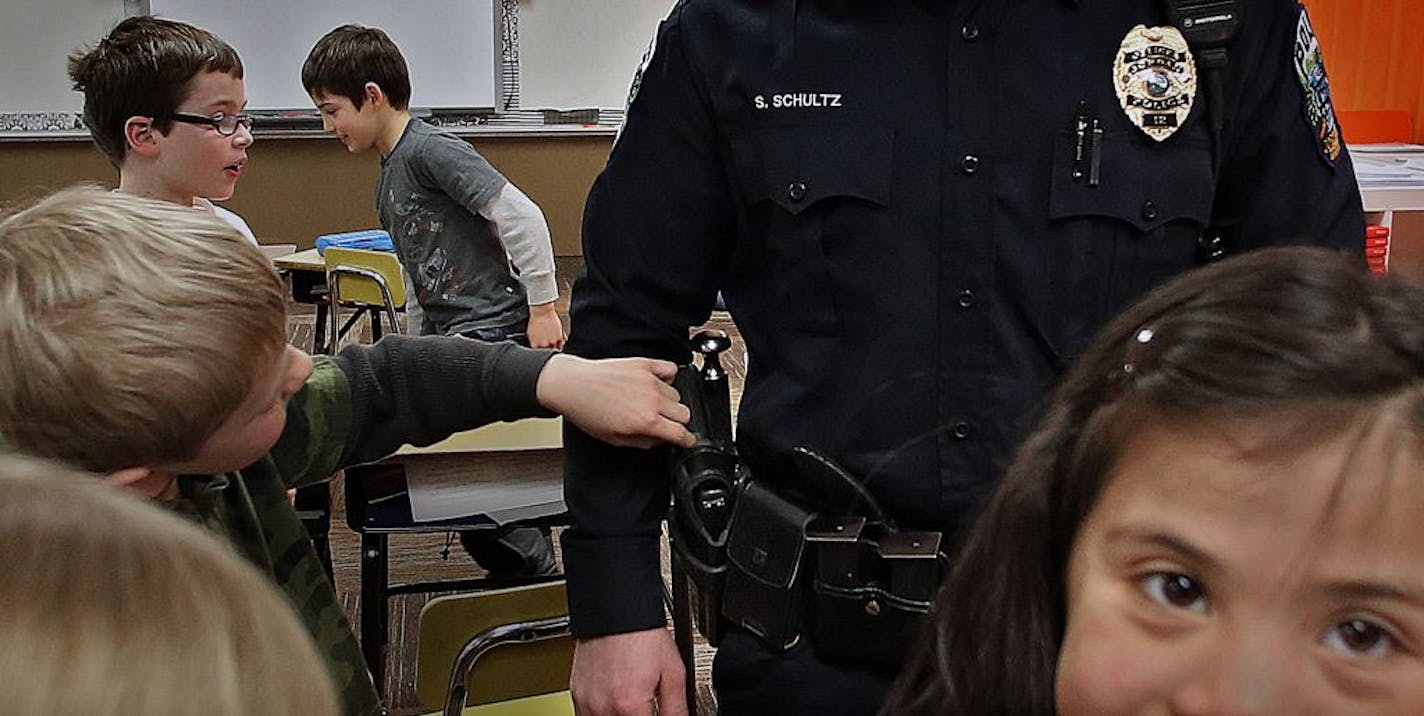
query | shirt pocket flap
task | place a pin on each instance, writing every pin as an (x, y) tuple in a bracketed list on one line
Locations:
[(1145, 186), (796, 167)]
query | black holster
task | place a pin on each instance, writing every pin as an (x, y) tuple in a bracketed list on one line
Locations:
[(704, 482)]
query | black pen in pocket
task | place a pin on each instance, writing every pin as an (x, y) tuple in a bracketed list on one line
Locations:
[(1096, 154)]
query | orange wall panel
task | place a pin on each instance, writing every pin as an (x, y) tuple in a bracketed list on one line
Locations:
[(1374, 52)]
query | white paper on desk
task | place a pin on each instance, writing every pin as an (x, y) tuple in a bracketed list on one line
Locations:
[(450, 486), (1386, 148)]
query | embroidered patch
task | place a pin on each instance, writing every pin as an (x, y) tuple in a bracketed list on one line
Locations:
[(637, 83), (1156, 79), (1318, 110)]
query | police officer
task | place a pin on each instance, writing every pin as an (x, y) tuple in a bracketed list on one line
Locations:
[(917, 212)]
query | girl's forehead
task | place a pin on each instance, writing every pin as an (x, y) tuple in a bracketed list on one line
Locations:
[(1350, 488)]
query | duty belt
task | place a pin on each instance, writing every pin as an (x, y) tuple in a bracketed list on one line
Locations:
[(787, 556)]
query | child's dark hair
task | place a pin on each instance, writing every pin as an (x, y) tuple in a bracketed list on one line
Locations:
[(1301, 340), (345, 59), (143, 69)]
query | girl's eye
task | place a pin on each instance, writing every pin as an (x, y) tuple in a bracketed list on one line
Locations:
[(1359, 637), (1175, 590)]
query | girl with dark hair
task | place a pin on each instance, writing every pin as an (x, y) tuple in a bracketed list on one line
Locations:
[(1220, 512)]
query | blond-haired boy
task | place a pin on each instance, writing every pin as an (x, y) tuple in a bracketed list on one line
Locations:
[(126, 650), (145, 341), (163, 101)]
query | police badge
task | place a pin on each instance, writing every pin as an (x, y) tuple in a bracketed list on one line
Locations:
[(1156, 79)]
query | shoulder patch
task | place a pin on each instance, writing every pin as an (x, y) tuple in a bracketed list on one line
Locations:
[(638, 75), (638, 80), (1318, 110)]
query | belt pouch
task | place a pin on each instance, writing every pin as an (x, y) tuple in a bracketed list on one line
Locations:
[(870, 590), (765, 549)]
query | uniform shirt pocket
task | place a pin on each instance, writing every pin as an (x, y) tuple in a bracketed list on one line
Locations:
[(802, 186), (1145, 187), (1136, 228)]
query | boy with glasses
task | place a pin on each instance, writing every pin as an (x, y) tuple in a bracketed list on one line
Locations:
[(163, 101)]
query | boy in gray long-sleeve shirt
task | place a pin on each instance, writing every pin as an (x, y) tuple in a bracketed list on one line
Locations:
[(475, 249)]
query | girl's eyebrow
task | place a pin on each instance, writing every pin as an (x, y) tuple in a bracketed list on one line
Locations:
[(1154, 536), (1363, 589)]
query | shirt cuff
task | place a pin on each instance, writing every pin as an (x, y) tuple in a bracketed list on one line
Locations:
[(615, 584), (541, 288)]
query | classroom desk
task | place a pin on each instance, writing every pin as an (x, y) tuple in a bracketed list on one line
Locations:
[(306, 276), (378, 505), (308, 260), (1392, 191)]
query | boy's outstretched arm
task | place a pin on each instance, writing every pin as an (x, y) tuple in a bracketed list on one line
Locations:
[(628, 402), (367, 401)]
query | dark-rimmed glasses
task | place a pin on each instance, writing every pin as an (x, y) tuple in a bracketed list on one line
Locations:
[(226, 124)]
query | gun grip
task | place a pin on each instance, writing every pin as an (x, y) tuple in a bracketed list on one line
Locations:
[(689, 389)]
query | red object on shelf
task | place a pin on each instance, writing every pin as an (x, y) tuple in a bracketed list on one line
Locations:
[(1377, 248)]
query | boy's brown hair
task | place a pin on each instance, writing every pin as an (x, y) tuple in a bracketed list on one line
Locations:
[(143, 68), (129, 328), (345, 59)]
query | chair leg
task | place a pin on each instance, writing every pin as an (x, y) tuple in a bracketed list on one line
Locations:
[(374, 605), (313, 506)]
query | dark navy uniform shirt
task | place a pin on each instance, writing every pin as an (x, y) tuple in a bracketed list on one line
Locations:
[(884, 193)]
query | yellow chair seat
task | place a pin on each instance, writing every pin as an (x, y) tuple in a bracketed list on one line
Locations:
[(555, 704), (507, 674)]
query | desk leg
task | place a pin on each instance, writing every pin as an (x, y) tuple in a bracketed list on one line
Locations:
[(319, 330), (374, 605)]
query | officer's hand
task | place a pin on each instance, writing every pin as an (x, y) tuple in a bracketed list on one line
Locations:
[(624, 401), (633, 674)]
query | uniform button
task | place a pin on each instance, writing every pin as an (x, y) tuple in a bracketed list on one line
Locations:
[(796, 192), (970, 32), (966, 298), (969, 164), (1149, 210), (962, 431)]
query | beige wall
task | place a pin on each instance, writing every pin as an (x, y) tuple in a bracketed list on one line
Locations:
[(296, 189)]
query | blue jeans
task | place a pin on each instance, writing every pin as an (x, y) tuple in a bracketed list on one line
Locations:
[(509, 551)]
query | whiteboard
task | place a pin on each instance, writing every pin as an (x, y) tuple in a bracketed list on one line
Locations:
[(36, 39), (449, 45), (581, 54)]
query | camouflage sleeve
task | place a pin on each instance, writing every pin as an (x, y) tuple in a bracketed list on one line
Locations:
[(367, 401), (318, 426)]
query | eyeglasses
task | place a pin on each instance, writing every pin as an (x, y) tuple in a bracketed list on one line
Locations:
[(226, 124)]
